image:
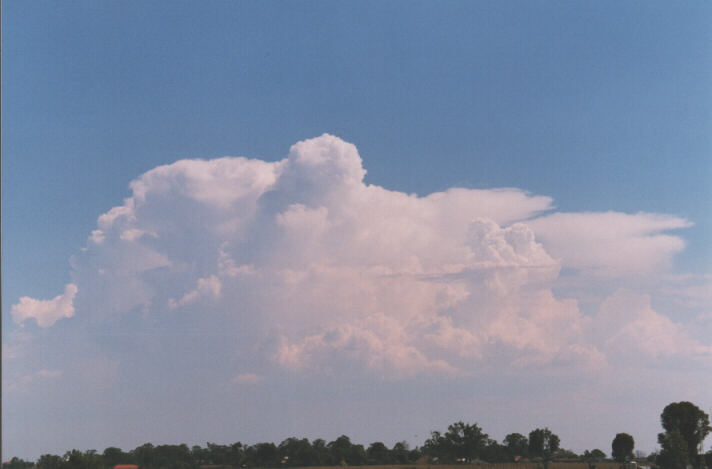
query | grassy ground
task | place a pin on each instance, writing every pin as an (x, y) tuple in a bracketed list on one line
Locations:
[(526, 465)]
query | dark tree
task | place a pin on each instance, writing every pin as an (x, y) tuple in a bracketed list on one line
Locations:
[(214, 454), (49, 461), (321, 452), (200, 455), (297, 452), (113, 456), (437, 447), (691, 423), (566, 453), (594, 456), (231, 455), (543, 443), (466, 441), (377, 453), (622, 447), (236, 454), (516, 444), (144, 455), (172, 457), (494, 452), (17, 463), (75, 459), (462, 442), (343, 451), (674, 453), (262, 455)]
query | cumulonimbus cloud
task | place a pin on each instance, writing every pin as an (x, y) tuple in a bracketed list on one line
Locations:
[(331, 270)]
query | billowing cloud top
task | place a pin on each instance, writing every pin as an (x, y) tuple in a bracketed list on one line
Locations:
[(328, 271)]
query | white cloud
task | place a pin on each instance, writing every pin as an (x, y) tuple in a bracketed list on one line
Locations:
[(46, 312), (610, 241), (133, 234), (97, 237), (332, 273), (206, 287)]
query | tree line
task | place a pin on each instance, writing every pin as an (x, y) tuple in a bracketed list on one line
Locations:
[(685, 427)]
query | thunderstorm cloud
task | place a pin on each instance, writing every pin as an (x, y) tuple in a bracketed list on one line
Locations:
[(328, 271)]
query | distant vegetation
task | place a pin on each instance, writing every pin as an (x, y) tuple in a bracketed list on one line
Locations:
[(685, 427)]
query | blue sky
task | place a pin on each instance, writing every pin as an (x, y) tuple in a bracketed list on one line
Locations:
[(602, 107)]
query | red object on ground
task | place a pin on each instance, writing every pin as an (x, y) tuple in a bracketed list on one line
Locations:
[(126, 466)]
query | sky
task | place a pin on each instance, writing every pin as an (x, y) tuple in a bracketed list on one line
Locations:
[(245, 221)]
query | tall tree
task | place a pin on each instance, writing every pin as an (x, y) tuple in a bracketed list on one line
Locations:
[(402, 454), (674, 453), (236, 454), (466, 441), (144, 455), (297, 452), (516, 444), (437, 447), (690, 422), (113, 456), (216, 454), (343, 451), (321, 452), (378, 453), (622, 447), (172, 457), (543, 443), (262, 455), (494, 452)]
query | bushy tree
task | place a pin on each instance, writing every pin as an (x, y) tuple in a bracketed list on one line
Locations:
[(17, 463), (113, 456), (566, 453), (200, 455), (297, 452), (462, 441), (402, 454), (437, 447), (692, 425), (543, 443), (516, 444), (214, 454), (466, 440), (593, 456), (76, 459), (321, 452), (172, 457), (49, 461), (262, 455), (144, 455), (674, 453), (494, 452), (622, 447), (343, 451), (378, 454)]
